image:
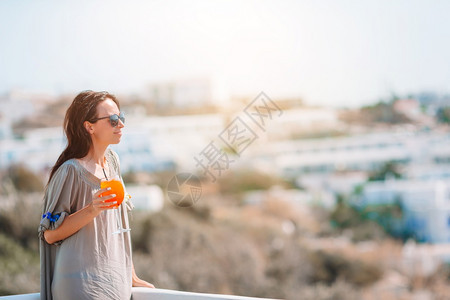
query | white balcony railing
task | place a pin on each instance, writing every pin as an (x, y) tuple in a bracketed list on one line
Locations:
[(151, 294)]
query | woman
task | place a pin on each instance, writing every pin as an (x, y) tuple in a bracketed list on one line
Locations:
[(80, 257)]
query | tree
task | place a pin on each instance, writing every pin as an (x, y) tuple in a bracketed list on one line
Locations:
[(443, 115), (388, 170)]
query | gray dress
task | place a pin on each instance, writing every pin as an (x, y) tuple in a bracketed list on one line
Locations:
[(93, 263)]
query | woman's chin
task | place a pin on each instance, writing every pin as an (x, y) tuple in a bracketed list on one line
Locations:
[(116, 140)]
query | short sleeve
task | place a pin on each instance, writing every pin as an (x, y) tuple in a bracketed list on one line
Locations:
[(58, 199)]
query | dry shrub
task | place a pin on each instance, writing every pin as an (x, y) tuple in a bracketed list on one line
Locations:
[(182, 251), (340, 290), (300, 215), (20, 221), (186, 255), (288, 267), (438, 283), (328, 268), (236, 182), (24, 180), (19, 268)]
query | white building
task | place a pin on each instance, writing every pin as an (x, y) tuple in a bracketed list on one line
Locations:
[(353, 153), (298, 121), (5, 127), (149, 198), (189, 93), (426, 205), (166, 141), (148, 143), (16, 105), (38, 149)]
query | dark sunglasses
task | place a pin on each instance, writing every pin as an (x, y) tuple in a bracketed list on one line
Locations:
[(113, 119)]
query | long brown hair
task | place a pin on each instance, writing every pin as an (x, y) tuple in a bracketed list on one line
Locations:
[(83, 108)]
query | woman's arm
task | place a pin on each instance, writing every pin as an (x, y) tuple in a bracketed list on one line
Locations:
[(79, 219), (139, 282)]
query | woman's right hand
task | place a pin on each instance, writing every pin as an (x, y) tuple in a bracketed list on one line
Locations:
[(74, 222), (100, 203)]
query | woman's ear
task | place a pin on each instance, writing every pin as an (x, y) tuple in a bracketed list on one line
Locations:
[(88, 126)]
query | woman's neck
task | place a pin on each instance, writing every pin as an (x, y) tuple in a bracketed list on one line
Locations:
[(95, 156)]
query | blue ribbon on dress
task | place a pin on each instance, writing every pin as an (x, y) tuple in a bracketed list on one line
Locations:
[(52, 218)]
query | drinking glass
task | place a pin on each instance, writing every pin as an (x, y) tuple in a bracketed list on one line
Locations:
[(116, 188)]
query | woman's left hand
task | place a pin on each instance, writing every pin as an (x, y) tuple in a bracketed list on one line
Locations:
[(137, 282)]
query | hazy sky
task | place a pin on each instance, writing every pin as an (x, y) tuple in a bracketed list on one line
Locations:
[(337, 52)]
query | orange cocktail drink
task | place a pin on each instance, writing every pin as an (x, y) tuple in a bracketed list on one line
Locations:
[(116, 188)]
